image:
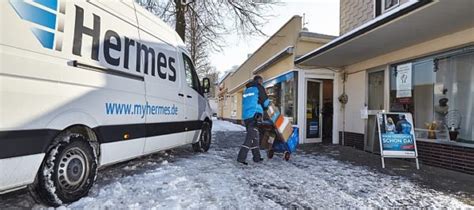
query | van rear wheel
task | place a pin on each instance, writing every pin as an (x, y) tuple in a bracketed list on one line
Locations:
[(68, 171), (204, 142)]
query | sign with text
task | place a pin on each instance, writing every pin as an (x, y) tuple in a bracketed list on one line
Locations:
[(403, 80), (396, 134)]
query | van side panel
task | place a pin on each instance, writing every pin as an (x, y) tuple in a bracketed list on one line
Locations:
[(116, 101), (41, 89), (18, 171), (82, 63), (167, 92), (168, 111), (23, 89)]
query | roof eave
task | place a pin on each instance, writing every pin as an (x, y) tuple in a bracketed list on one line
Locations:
[(371, 25)]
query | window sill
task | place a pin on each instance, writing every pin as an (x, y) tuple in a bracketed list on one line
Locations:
[(446, 142)]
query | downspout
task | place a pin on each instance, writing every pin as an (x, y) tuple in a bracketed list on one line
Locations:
[(344, 110), (343, 100)]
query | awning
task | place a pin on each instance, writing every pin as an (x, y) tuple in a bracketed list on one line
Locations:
[(409, 24)]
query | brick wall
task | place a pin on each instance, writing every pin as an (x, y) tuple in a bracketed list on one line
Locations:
[(355, 140), (354, 13), (451, 157)]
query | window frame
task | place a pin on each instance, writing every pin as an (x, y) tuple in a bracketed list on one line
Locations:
[(377, 8), (384, 10), (196, 84)]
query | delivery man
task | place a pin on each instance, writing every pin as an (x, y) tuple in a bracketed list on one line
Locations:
[(254, 102)]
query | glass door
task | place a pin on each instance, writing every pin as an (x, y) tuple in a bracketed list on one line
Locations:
[(313, 111), (375, 104)]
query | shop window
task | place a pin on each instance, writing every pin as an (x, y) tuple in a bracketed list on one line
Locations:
[(439, 92), (282, 93)]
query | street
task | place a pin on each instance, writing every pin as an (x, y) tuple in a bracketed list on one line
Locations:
[(183, 179)]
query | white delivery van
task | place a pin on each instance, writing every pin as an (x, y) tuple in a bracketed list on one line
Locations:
[(84, 84)]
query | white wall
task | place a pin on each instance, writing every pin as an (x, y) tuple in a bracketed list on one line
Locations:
[(337, 111), (356, 90), (303, 75)]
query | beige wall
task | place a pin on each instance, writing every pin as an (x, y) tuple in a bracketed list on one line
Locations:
[(288, 35), (355, 89), (226, 107), (283, 38), (278, 68), (305, 45), (237, 104), (220, 107)]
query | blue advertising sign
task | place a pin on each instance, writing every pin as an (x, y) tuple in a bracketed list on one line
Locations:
[(398, 142), (396, 135)]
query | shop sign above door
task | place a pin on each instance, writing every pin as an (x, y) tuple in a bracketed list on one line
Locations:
[(403, 80)]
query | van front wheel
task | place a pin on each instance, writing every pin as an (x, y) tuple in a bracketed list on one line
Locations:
[(68, 171), (204, 142)]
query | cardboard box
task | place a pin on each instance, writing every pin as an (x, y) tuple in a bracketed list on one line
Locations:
[(285, 128), (278, 121), (267, 140), (287, 132), (264, 141), (273, 112)]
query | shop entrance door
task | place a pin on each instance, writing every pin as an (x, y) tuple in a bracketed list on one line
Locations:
[(375, 104), (313, 122)]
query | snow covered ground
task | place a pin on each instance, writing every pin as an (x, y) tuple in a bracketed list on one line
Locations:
[(214, 180), (219, 126)]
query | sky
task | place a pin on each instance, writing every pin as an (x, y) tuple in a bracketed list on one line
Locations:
[(321, 16)]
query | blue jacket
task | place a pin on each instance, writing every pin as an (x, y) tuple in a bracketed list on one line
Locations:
[(254, 100), (404, 127)]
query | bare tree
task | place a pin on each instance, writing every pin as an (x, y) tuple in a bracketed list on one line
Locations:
[(202, 23)]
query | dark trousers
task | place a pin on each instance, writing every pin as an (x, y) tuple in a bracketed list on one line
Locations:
[(251, 141)]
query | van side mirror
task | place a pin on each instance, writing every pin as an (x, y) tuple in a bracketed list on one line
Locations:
[(206, 85)]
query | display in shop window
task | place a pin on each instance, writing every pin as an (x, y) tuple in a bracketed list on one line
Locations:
[(282, 93), (440, 85), (453, 122), (404, 80)]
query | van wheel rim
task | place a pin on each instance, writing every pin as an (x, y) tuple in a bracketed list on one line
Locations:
[(72, 169)]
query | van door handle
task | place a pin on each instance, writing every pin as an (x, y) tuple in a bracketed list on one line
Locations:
[(180, 94), (189, 96)]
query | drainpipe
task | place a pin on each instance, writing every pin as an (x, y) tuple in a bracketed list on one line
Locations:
[(343, 106)]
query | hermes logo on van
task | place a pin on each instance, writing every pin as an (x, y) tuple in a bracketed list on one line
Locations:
[(46, 18), (121, 51)]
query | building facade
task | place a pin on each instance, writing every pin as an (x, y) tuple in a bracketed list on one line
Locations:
[(300, 93), (429, 43)]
